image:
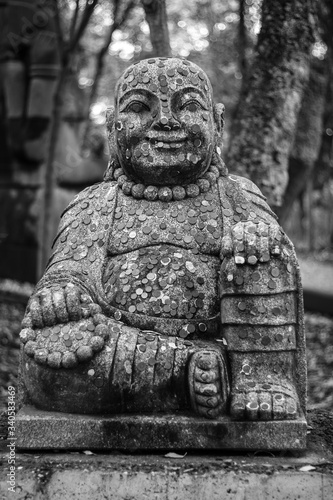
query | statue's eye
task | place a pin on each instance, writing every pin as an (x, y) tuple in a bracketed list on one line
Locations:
[(192, 105), (137, 107)]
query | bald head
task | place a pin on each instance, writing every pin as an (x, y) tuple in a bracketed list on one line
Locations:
[(164, 76)]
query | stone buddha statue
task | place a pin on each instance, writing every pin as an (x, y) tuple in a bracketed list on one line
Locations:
[(171, 288)]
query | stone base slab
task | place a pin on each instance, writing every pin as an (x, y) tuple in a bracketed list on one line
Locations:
[(38, 429)]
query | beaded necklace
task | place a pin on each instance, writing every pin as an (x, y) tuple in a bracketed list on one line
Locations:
[(168, 193)]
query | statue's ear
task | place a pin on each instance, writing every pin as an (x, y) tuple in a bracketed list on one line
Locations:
[(110, 116), (110, 125), (219, 116)]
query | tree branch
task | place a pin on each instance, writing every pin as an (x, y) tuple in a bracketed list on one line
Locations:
[(88, 11), (74, 20), (117, 23), (60, 35), (156, 17), (242, 39)]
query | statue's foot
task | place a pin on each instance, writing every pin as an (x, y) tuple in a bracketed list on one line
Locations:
[(264, 402), (208, 383)]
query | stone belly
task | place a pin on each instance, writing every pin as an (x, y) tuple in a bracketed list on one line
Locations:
[(163, 281)]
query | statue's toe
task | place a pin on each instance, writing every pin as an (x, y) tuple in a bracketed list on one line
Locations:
[(284, 406), (252, 406), (208, 389), (264, 405), (237, 406)]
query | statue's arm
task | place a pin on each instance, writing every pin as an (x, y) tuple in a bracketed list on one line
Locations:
[(69, 282)]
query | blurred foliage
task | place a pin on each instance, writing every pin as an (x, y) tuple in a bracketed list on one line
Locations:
[(319, 331), (204, 31), (207, 32)]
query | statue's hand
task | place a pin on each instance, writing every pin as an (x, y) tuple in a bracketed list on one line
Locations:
[(54, 305), (251, 242)]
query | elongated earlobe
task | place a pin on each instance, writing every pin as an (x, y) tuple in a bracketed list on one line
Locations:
[(219, 116), (110, 114), (113, 161)]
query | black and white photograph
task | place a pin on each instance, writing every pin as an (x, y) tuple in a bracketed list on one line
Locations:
[(166, 249)]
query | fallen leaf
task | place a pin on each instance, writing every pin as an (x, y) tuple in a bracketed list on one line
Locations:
[(174, 455), (307, 468)]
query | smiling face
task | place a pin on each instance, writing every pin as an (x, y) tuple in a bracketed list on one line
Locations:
[(164, 122)]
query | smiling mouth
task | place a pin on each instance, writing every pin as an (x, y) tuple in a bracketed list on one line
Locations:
[(167, 142)]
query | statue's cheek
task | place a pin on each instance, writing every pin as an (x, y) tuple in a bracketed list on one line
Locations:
[(199, 137)]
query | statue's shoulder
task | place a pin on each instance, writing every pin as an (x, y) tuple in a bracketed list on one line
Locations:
[(238, 188), (94, 196), (243, 184)]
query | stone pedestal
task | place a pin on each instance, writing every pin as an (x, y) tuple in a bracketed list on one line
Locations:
[(46, 430), (202, 474)]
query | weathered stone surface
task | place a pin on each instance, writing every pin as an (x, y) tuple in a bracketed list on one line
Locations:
[(171, 290), (201, 474), (142, 476), (45, 430)]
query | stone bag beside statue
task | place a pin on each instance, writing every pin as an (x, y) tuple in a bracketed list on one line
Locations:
[(171, 306)]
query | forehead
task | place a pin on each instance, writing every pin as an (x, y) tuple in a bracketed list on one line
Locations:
[(163, 77)]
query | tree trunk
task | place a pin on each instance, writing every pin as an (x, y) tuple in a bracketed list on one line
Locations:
[(100, 58), (242, 40), (314, 117), (269, 106), (49, 184), (308, 137), (310, 214), (157, 20)]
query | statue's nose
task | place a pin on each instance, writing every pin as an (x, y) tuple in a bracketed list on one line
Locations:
[(167, 123), (165, 120)]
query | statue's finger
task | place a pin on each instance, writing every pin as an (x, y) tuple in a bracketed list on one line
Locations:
[(36, 313), (27, 320), (238, 243), (238, 231), (251, 243), (60, 306), (227, 246), (73, 303), (47, 308), (211, 402), (275, 237), (263, 242), (206, 389)]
